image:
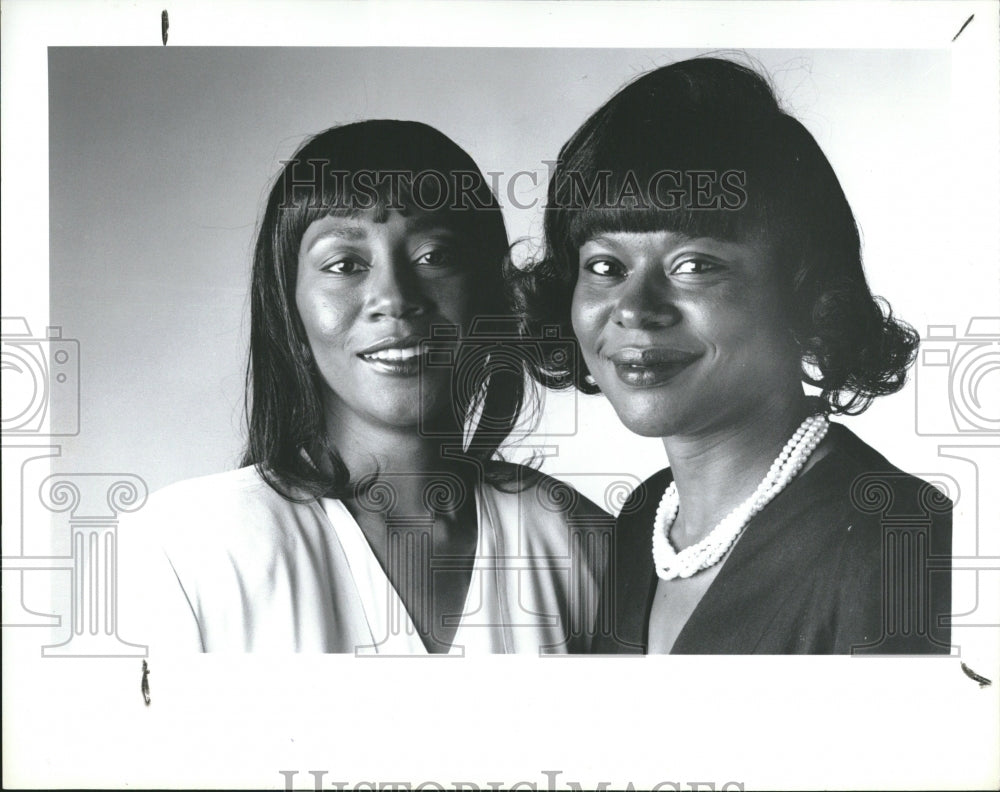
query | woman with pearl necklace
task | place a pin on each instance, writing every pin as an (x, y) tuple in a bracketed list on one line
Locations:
[(701, 251)]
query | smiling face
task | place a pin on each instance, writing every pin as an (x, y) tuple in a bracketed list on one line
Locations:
[(367, 293), (683, 335)]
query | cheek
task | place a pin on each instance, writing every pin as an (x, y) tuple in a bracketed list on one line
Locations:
[(323, 316), (460, 300), (587, 318), (770, 319), (749, 329), (726, 324), (464, 301)]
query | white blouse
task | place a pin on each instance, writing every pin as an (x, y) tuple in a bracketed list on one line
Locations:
[(225, 563)]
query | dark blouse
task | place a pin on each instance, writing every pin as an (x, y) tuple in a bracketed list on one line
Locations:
[(854, 556)]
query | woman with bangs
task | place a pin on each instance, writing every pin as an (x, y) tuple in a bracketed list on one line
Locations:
[(702, 252), (373, 514)]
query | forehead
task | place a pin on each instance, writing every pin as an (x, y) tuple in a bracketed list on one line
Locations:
[(366, 225), (666, 242)]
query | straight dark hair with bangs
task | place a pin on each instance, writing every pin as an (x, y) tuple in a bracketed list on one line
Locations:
[(378, 166), (703, 148)]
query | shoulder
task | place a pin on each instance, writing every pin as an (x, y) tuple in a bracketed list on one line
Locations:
[(232, 484), (538, 516), (244, 487), (542, 510), (642, 503), (888, 541), (537, 492), (869, 485), (220, 507), (854, 510)]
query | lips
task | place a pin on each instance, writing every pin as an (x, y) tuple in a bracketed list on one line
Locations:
[(392, 354), (399, 356), (646, 367)]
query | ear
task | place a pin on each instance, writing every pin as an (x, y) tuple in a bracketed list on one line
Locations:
[(585, 380)]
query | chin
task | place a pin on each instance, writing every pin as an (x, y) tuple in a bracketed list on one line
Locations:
[(646, 425), (422, 417), (649, 416), (402, 416)]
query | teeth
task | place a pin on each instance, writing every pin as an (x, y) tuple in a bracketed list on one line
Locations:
[(393, 354)]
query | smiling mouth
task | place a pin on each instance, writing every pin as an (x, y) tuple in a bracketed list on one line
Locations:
[(398, 361), (392, 355), (650, 367)]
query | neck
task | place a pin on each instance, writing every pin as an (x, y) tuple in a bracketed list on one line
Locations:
[(406, 457), (385, 449), (718, 469)]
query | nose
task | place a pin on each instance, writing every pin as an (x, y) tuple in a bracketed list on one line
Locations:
[(645, 302), (394, 291)]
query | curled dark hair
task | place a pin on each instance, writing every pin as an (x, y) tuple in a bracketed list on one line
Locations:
[(375, 166), (703, 148)]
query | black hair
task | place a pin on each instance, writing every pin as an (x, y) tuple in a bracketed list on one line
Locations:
[(703, 148), (376, 166)]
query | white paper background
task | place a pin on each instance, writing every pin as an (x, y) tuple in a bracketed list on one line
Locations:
[(925, 192)]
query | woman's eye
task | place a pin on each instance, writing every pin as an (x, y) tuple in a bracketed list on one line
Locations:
[(344, 266), (436, 258), (604, 268), (693, 267)]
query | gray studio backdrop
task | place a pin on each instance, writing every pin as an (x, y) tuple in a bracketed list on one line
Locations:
[(160, 159)]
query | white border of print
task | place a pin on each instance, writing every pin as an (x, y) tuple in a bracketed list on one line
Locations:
[(759, 722)]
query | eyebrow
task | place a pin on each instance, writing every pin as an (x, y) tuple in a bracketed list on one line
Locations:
[(358, 233), (603, 237), (350, 233), (430, 222)]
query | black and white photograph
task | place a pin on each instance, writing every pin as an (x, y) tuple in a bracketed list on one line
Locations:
[(501, 395)]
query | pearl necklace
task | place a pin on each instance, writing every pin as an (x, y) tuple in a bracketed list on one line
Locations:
[(671, 564)]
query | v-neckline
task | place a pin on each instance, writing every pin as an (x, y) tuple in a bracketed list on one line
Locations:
[(745, 543), (379, 609)]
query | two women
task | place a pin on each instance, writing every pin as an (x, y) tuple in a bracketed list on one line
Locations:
[(702, 252), (704, 257)]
